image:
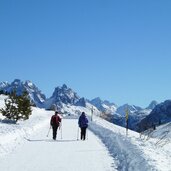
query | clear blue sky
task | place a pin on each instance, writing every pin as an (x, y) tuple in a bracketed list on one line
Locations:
[(119, 50)]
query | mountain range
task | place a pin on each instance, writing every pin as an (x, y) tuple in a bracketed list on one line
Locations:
[(64, 95), (36, 96), (161, 114)]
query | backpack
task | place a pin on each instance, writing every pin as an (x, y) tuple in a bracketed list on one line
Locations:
[(83, 122), (55, 120)]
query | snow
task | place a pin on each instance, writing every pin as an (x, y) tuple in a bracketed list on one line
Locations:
[(26, 145), (40, 152), (135, 153)]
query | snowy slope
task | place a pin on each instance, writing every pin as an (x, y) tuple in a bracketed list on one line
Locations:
[(11, 135), (27, 142), (132, 151)]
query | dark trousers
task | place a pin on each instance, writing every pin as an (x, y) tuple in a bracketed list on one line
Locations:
[(54, 131), (83, 133)]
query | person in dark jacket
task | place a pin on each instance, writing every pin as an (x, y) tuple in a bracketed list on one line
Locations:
[(55, 123), (83, 124)]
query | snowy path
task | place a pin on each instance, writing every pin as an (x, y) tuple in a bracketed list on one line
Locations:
[(42, 153)]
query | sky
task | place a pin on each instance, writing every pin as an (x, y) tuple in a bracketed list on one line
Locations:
[(118, 50)]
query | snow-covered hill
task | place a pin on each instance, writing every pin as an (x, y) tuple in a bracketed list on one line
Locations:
[(111, 149)]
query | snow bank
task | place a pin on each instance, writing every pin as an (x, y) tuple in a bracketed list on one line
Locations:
[(131, 152), (11, 135), (128, 155)]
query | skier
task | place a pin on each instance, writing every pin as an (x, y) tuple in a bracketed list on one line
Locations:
[(83, 124), (55, 123)]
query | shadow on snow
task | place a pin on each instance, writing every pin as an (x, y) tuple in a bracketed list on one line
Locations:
[(49, 140)]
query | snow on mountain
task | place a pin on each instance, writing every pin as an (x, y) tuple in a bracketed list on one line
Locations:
[(131, 108), (34, 93), (104, 106), (3, 84), (81, 102), (136, 117), (136, 114), (62, 95), (159, 115), (117, 115)]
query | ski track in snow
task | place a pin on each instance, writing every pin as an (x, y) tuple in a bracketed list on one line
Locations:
[(66, 154)]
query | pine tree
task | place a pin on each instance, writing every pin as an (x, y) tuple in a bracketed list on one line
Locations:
[(24, 106), (10, 110), (17, 107)]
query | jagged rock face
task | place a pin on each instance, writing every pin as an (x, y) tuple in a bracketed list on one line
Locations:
[(82, 102), (131, 109), (65, 95), (62, 95), (152, 105), (3, 85), (136, 114), (160, 114), (34, 93)]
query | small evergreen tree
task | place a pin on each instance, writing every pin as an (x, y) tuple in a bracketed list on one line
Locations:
[(17, 107), (10, 107), (24, 105)]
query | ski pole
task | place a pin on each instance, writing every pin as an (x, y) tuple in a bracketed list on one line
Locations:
[(77, 132), (48, 131), (61, 129), (87, 134)]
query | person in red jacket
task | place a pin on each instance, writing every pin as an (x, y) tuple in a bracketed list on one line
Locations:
[(55, 123)]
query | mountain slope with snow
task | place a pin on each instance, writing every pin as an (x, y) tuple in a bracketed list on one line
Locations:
[(36, 96), (62, 95), (160, 114), (136, 115), (104, 106)]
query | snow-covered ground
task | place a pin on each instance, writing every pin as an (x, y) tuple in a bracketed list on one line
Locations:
[(25, 146), (66, 154), (148, 152)]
